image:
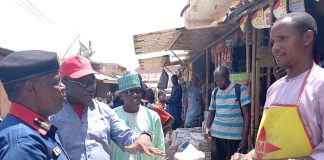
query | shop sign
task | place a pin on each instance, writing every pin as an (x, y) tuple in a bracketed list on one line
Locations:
[(296, 5), (257, 19), (266, 18), (243, 22), (280, 8), (261, 19)]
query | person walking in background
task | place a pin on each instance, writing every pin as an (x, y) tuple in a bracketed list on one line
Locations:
[(117, 101), (292, 124), (86, 125), (33, 84), (174, 103), (193, 114), (136, 116), (166, 119), (160, 100), (109, 99), (228, 121)]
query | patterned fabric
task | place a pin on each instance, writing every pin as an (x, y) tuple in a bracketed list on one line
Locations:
[(228, 121), (129, 80), (144, 120), (193, 114)]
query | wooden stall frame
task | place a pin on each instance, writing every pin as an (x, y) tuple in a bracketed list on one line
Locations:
[(253, 82), (207, 80)]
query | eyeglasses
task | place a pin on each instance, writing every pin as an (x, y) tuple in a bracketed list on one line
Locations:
[(85, 84), (132, 91)]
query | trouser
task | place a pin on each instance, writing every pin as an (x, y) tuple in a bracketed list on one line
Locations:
[(223, 149)]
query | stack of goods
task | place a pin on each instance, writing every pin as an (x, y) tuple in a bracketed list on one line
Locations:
[(190, 153), (183, 137), (206, 148), (199, 142)]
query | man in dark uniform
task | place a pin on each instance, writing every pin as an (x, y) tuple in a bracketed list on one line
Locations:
[(32, 82)]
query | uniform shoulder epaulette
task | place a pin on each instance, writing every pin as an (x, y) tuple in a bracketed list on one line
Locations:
[(42, 124)]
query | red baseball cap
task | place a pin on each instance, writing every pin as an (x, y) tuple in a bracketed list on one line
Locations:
[(76, 67)]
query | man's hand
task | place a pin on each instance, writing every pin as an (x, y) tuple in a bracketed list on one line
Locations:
[(239, 156), (144, 143), (244, 145), (207, 135)]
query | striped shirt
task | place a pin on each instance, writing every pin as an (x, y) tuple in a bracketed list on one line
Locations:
[(228, 121)]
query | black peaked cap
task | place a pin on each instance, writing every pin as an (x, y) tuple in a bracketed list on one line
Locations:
[(23, 65)]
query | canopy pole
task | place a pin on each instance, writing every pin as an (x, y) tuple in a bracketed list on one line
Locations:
[(207, 80), (168, 69), (186, 65), (253, 78)]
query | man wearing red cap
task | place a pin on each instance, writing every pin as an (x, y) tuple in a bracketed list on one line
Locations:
[(87, 125)]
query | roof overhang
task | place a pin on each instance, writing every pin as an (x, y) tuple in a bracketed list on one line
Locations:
[(155, 41), (199, 38), (154, 62), (106, 79), (178, 39)]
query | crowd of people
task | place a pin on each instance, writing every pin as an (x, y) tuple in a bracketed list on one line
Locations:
[(54, 114)]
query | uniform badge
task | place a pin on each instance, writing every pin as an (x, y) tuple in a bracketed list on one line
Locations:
[(57, 151)]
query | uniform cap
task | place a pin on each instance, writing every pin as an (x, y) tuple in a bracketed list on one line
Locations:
[(23, 65)]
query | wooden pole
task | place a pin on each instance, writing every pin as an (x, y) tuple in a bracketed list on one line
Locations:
[(269, 44), (253, 82), (207, 80), (247, 48), (257, 86), (248, 71), (186, 65)]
